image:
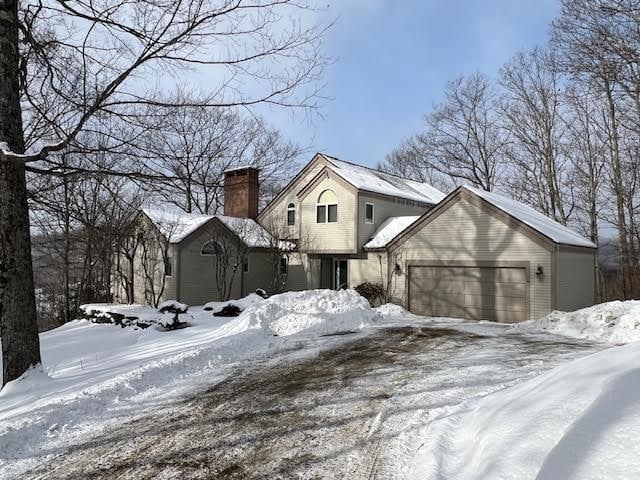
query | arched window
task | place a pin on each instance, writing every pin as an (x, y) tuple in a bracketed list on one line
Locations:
[(327, 207), (291, 215), (211, 248)]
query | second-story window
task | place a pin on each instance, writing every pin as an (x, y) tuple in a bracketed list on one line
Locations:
[(368, 213), (291, 215), (327, 207)]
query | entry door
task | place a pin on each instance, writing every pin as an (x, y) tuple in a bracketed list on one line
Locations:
[(340, 277)]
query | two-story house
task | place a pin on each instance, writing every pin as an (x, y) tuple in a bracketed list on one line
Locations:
[(331, 210), (469, 254)]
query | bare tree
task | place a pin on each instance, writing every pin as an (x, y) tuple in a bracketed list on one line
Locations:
[(196, 145), (532, 112), (72, 65), (462, 141)]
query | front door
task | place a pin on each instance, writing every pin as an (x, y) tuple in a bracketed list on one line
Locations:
[(340, 277)]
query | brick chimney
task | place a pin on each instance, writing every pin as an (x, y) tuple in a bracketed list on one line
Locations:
[(241, 186)]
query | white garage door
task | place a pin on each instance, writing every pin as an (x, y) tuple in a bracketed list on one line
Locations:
[(475, 293)]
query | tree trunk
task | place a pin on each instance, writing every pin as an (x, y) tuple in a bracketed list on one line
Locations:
[(18, 321)]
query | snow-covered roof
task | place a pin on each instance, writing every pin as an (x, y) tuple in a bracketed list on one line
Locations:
[(251, 233), (176, 226), (390, 229), (365, 178), (536, 220)]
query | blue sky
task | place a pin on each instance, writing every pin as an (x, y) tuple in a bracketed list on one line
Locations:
[(393, 58)]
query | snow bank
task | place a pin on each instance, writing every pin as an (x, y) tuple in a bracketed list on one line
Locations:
[(579, 421), (613, 322), (96, 375), (313, 312)]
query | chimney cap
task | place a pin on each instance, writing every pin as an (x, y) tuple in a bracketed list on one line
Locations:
[(237, 169)]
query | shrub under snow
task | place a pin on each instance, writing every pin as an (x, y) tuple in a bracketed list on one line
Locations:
[(613, 322)]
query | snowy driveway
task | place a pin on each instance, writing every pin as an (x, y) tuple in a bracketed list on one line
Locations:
[(355, 411)]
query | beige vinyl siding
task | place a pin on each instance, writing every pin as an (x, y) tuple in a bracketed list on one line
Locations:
[(575, 282), (465, 232), (373, 268), (339, 237), (383, 209), (197, 272), (275, 218)]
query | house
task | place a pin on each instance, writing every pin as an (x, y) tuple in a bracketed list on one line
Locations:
[(469, 254), (199, 258)]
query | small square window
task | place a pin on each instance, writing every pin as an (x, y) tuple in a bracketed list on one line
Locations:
[(332, 213), (283, 266), (321, 214), (368, 213)]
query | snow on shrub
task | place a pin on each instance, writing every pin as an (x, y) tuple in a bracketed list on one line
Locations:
[(314, 312), (242, 304), (172, 306), (612, 322)]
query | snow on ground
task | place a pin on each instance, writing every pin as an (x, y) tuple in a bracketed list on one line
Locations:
[(93, 375), (612, 322), (579, 421)]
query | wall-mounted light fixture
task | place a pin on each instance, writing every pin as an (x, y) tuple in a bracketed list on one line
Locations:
[(539, 270), (396, 269)]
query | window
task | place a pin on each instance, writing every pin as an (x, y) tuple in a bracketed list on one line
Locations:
[(327, 207), (211, 248), (291, 214), (245, 265), (167, 266), (284, 267), (368, 213)]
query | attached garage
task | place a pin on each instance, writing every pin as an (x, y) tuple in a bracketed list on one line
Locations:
[(474, 291), (482, 256)]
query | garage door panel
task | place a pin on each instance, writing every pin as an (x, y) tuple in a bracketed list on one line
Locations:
[(511, 304), (429, 285), (477, 293), (499, 289)]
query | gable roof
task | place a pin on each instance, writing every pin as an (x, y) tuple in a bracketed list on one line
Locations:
[(388, 230), (551, 229), (367, 179), (548, 231), (176, 226), (371, 180)]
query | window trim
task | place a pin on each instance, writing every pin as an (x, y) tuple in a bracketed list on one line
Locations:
[(291, 208), (373, 213), (219, 249), (326, 206)]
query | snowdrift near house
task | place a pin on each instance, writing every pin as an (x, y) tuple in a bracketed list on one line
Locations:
[(612, 322), (95, 375), (313, 312), (579, 421)]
